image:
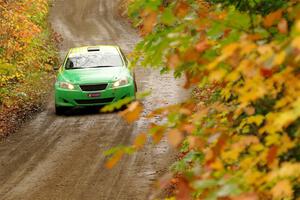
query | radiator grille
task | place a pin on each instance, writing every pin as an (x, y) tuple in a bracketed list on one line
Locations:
[(94, 87)]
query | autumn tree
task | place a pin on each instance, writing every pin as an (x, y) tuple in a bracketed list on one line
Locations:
[(239, 132), (28, 52)]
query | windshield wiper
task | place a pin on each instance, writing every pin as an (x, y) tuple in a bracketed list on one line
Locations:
[(92, 67), (74, 68), (102, 66)]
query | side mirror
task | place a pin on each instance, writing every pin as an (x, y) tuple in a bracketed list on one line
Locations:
[(56, 68)]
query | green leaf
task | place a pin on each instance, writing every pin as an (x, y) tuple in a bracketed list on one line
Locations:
[(238, 20), (203, 184), (168, 17)]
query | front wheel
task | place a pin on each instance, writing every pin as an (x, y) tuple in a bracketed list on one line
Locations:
[(135, 86), (60, 110), (134, 81)]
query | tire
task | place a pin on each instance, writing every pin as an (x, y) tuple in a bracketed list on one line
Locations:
[(135, 86), (59, 110)]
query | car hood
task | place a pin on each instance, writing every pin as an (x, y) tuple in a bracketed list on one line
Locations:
[(90, 75)]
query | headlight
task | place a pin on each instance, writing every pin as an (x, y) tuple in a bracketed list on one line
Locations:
[(120, 82), (66, 85)]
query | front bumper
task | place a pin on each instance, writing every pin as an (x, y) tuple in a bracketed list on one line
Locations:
[(74, 98)]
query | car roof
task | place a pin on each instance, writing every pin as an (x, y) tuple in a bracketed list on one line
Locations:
[(86, 49)]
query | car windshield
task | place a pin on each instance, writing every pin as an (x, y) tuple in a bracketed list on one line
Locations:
[(94, 59)]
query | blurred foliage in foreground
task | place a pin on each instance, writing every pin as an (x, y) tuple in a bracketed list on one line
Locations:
[(239, 133), (27, 53)]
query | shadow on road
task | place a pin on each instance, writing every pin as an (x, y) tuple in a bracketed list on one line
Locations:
[(91, 110)]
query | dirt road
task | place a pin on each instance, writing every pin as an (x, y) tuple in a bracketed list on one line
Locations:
[(53, 157)]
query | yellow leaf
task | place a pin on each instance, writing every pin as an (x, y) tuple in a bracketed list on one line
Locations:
[(289, 170), (280, 58), (297, 26), (287, 142), (217, 75), (296, 42), (257, 119), (248, 48), (230, 49), (217, 165), (273, 138), (232, 155), (233, 76), (282, 189)]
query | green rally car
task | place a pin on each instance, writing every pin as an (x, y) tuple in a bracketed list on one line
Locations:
[(92, 76)]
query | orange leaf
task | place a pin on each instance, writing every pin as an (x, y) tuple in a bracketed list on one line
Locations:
[(272, 18), (217, 149), (191, 55), (132, 113), (249, 196), (114, 160), (196, 143), (249, 110), (202, 46), (173, 61), (150, 19), (254, 37), (283, 26), (272, 154), (157, 133), (175, 137), (182, 9), (140, 141), (265, 72), (191, 79), (189, 128), (183, 189)]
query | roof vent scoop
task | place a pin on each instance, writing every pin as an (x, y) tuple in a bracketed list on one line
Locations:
[(91, 49)]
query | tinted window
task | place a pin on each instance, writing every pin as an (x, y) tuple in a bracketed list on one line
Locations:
[(94, 60), (125, 59)]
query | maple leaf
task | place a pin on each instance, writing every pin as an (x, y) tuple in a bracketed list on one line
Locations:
[(280, 58), (202, 46), (196, 143), (283, 26), (114, 159), (175, 137), (271, 18), (173, 61), (183, 189), (282, 189), (149, 20), (157, 132), (181, 9), (140, 141), (272, 154), (248, 196), (133, 112)]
